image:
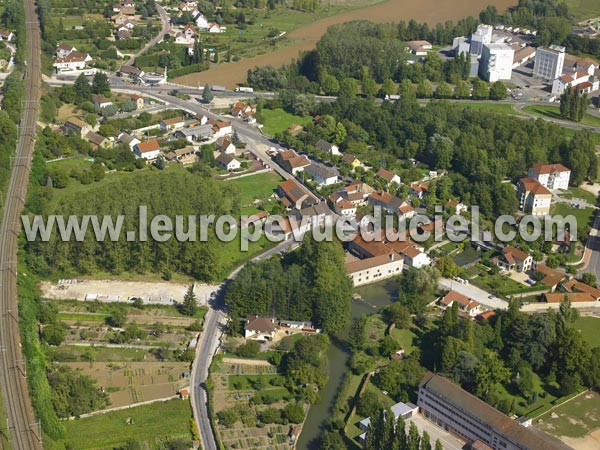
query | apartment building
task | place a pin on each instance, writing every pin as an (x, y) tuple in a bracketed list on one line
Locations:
[(496, 62), (549, 62), (552, 176)]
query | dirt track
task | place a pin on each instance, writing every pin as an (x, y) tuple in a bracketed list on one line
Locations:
[(306, 37)]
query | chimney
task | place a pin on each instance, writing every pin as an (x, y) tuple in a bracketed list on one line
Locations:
[(392, 256)]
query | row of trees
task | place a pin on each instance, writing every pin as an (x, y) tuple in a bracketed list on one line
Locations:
[(310, 284)]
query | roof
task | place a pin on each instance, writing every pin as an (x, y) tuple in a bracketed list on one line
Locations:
[(100, 99), (348, 158), (574, 297), (551, 277), (292, 190), (578, 286), (464, 301), (525, 438), (225, 158), (512, 252), (260, 324), (76, 121), (74, 56), (322, 171), (543, 169), (130, 69), (223, 142), (324, 145), (386, 198), (370, 263), (523, 53), (199, 130), (173, 121), (298, 161), (534, 186), (95, 138), (148, 146), (65, 47), (385, 174)]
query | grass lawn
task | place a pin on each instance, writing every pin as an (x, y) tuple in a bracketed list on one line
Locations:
[(498, 283), (256, 187), (575, 192), (278, 120), (583, 216), (149, 424), (588, 327), (554, 113), (501, 108), (245, 382), (405, 338), (89, 317), (100, 354), (576, 418), (583, 9)]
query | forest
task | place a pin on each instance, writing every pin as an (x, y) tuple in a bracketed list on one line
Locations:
[(308, 284), (168, 193)]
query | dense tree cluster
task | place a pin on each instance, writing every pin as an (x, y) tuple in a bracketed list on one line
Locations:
[(75, 393), (310, 284), (162, 194), (573, 105), (385, 431)]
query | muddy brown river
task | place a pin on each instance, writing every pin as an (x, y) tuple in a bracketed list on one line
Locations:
[(306, 37)]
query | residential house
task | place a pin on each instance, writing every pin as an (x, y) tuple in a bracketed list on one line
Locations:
[(131, 72), (455, 206), (172, 124), (139, 101), (460, 413), (576, 286), (352, 160), (77, 126), (377, 244), (327, 147), (291, 161), (534, 198), (548, 276), (406, 212), (187, 36), (64, 50), (131, 141), (228, 162), (358, 192), (377, 268), (574, 80), (465, 304), (292, 195), (198, 133), (322, 174), (415, 256), (201, 21), (224, 145), (514, 259), (575, 64), (342, 206), (552, 176), (101, 101), (201, 119), (148, 150), (97, 140), (6, 35), (418, 48), (388, 176), (386, 201), (181, 154), (255, 219), (419, 190), (574, 297), (73, 61), (222, 128), (243, 110), (260, 328), (216, 28), (316, 213), (404, 410)]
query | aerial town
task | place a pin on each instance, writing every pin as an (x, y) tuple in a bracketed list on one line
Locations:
[(174, 176)]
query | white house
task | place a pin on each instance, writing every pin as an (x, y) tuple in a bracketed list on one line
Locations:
[(552, 176), (534, 198), (388, 176), (514, 259), (415, 257), (64, 50), (101, 101), (222, 128), (570, 80), (224, 145), (127, 139), (201, 21), (228, 162), (465, 304), (215, 28), (148, 150), (377, 268), (6, 35), (261, 328), (327, 147), (322, 175), (73, 61)]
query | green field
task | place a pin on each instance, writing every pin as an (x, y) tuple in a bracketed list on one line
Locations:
[(256, 187), (576, 418), (583, 9), (150, 424), (406, 339), (83, 317), (98, 353), (588, 327), (501, 108), (575, 192), (553, 112), (583, 216), (277, 120)]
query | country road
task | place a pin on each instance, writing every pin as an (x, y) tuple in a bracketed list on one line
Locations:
[(165, 28), (22, 424)]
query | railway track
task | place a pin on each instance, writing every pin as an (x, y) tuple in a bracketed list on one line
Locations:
[(22, 424)]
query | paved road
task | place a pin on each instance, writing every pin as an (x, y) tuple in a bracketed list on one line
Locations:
[(214, 326), (24, 432), (166, 27)]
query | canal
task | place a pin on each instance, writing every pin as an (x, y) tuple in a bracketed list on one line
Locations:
[(373, 298)]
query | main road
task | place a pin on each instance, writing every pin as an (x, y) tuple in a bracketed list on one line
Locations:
[(22, 423)]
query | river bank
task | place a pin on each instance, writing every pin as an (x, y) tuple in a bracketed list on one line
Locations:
[(305, 38)]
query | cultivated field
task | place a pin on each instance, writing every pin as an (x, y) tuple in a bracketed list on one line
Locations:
[(306, 37), (136, 382)]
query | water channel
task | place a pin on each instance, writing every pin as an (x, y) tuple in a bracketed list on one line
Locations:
[(373, 298)]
